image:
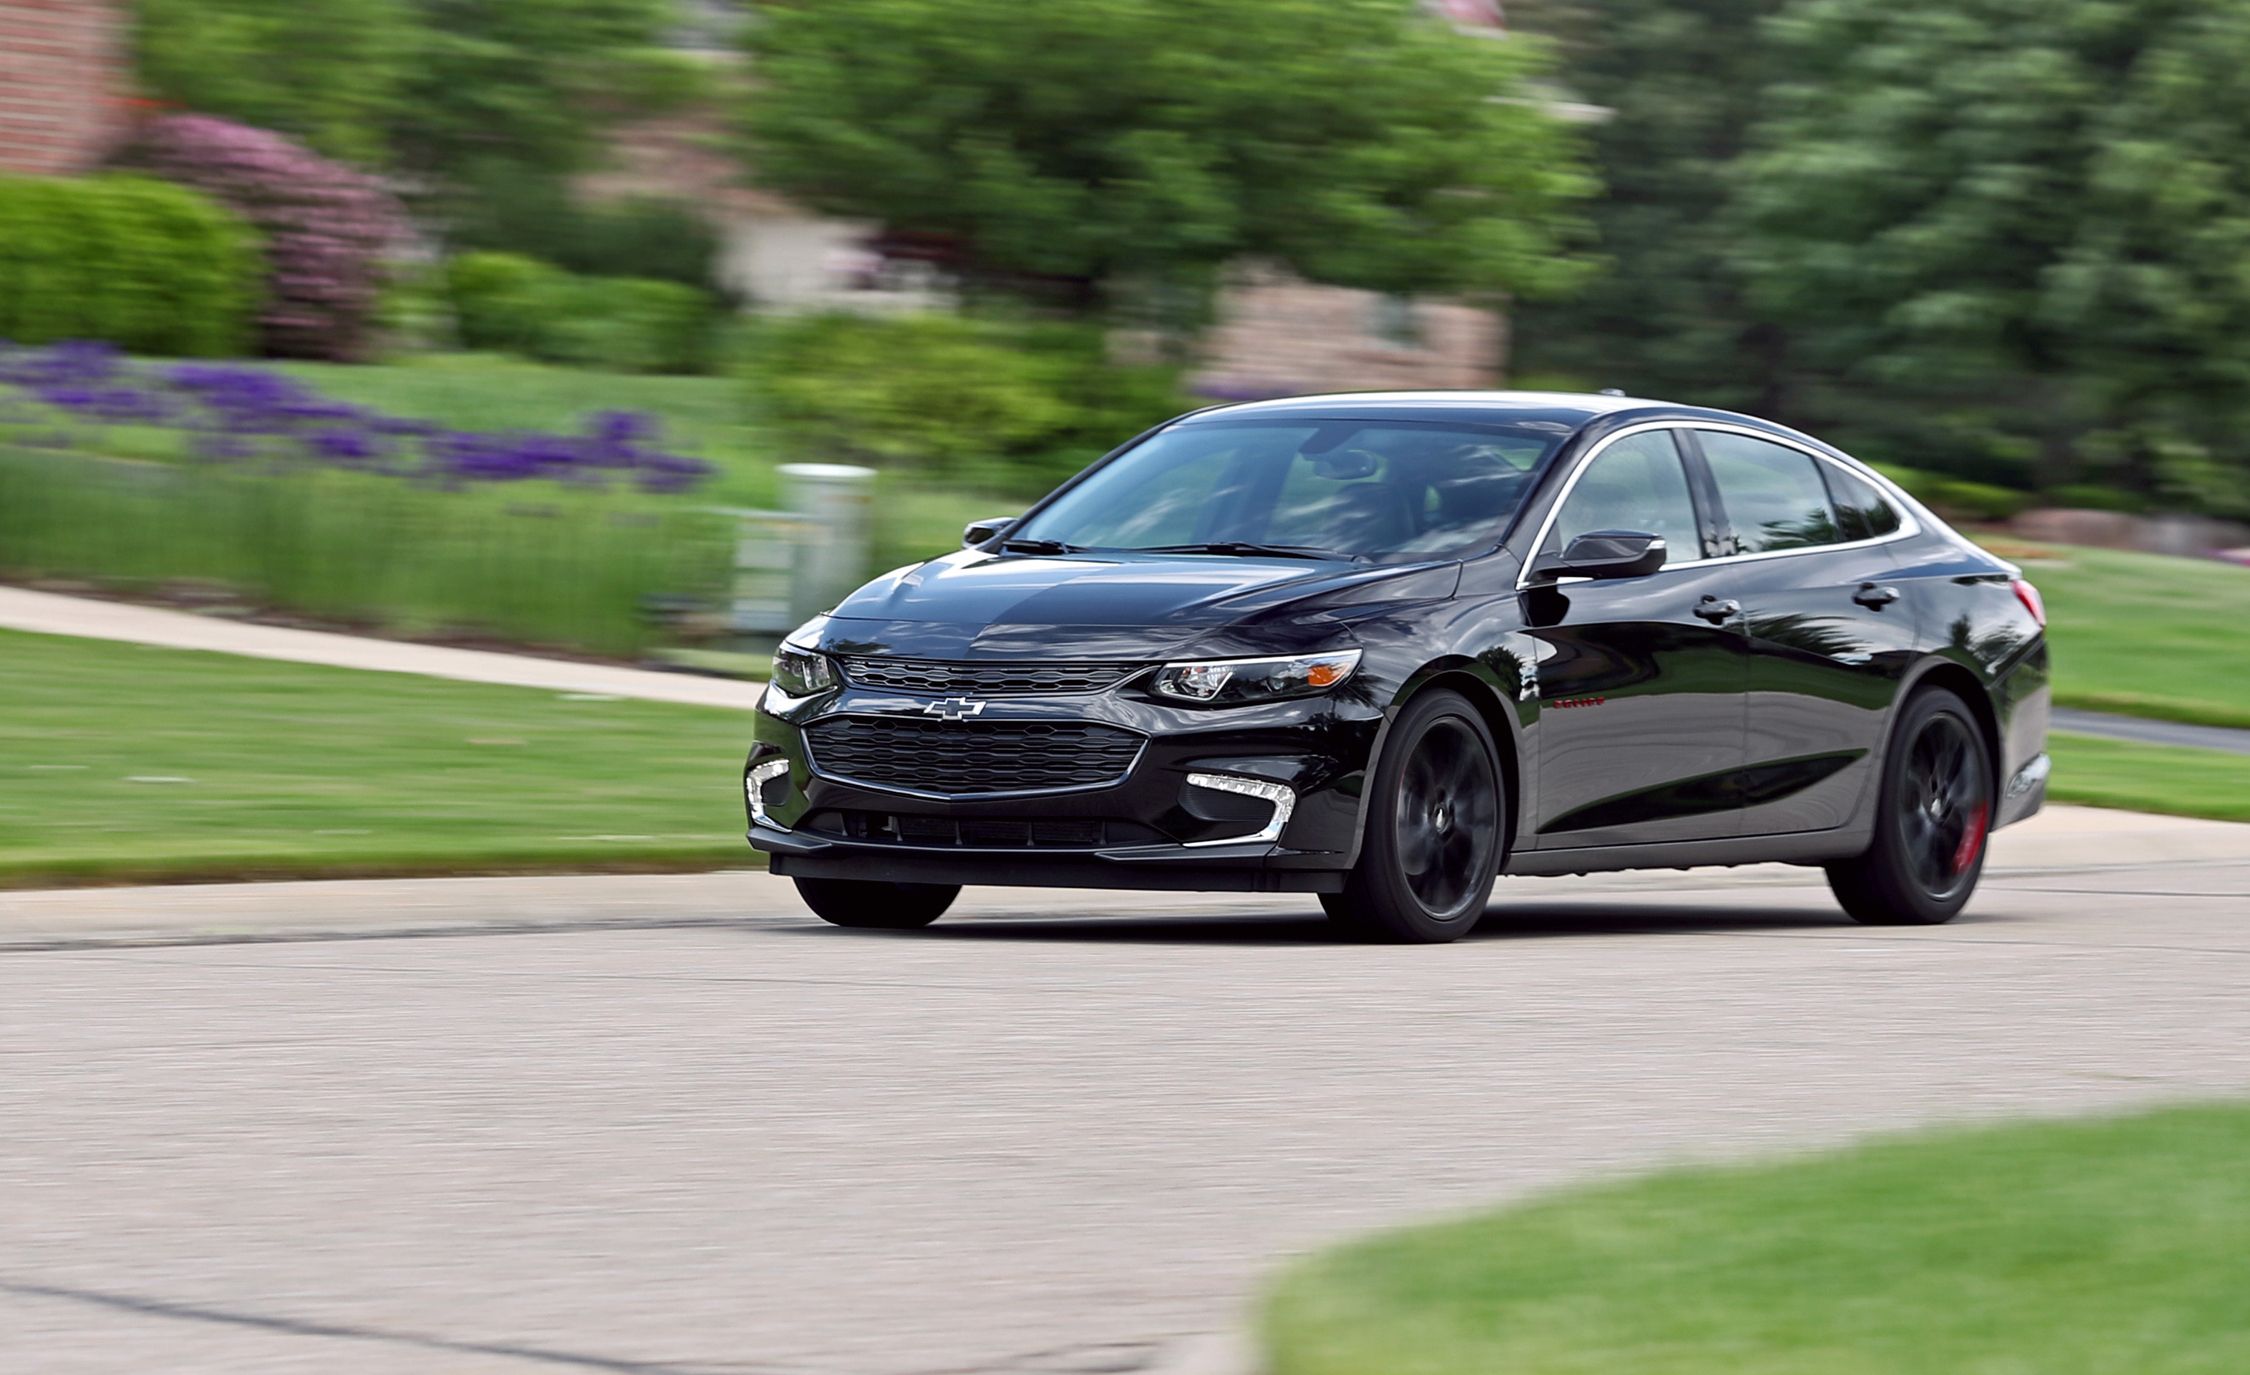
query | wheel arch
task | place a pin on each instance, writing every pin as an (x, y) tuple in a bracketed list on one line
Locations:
[(1474, 683), (1964, 683)]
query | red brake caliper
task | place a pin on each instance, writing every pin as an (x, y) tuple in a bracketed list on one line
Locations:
[(1972, 839)]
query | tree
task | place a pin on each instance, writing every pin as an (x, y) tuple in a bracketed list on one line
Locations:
[(1123, 143), (329, 72), (440, 90), (1678, 85), (2013, 233)]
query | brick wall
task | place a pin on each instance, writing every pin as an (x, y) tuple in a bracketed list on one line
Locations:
[(1277, 334), (62, 83)]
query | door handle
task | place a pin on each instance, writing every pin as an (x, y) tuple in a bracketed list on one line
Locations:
[(1870, 594), (1715, 611)]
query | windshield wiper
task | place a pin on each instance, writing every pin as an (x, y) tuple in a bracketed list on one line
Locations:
[(1040, 546), (1253, 549)]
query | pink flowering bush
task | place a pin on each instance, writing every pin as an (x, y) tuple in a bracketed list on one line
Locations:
[(327, 229)]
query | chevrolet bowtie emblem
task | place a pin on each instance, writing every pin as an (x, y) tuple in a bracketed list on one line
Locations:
[(955, 708)]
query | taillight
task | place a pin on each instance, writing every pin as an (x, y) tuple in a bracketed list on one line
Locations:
[(2032, 602)]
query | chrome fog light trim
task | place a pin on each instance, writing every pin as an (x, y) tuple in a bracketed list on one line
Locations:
[(754, 788), (1283, 799)]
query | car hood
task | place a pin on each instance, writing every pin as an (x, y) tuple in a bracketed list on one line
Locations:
[(972, 604)]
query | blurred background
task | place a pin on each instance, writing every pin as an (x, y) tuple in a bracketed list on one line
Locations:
[(555, 327)]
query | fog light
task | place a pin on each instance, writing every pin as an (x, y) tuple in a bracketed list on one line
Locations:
[(1279, 796), (754, 788)]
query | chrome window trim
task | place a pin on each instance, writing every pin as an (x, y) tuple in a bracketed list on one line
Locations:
[(1909, 520)]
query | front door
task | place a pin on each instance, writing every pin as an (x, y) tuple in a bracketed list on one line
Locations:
[(1641, 680)]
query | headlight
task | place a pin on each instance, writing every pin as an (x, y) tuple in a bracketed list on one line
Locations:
[(802, 673), (1228, 681)]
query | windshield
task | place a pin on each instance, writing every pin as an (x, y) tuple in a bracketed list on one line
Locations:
[(1358, 489)]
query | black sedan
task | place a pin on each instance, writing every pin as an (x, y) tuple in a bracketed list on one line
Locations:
[(1382, 648)]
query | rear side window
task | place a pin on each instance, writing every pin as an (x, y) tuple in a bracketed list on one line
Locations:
[(1862, 511), (1773, 495)]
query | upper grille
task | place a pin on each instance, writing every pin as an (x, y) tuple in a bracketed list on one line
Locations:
[(949, 757), (986, 679)]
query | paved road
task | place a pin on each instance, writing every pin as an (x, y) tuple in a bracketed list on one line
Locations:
[(672, 1125), (2153, 732)]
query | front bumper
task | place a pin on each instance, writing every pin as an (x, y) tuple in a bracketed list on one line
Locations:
[(1152, 828)]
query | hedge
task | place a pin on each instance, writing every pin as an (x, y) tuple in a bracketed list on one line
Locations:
[(507, 302), (142, 264)]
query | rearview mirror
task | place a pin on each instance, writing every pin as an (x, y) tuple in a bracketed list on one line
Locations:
[(1608, 554), (977, 532)]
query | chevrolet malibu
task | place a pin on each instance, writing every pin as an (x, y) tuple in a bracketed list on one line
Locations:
[(1382, 648)]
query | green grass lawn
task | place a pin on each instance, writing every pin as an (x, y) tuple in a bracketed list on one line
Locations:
[(2086, 1248), (121, 763), (2150, 778), (2146, 635)]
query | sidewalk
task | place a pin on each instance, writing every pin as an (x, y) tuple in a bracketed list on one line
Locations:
[(47, 613)]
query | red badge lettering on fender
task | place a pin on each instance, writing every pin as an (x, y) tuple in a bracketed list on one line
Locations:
[(1567, 702)]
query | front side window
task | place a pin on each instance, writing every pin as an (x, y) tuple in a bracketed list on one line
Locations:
[(1638, 484), (1773, 495), (1349, 488)]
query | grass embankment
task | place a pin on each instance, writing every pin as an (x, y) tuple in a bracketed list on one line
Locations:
[(2150, 778), (2058, 1248), (2146, 635), (121, 763), (542, 564)]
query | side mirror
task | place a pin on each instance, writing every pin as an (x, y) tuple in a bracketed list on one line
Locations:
[(977, 532), (1608, 554)]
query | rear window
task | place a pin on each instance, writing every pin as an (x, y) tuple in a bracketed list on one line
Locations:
[(1773, 495)]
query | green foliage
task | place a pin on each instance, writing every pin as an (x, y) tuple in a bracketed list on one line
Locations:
[(514, 304), (1017, 405), (1151, 142), (517, 210), (328, 72), (142, 264), (1681, 83), (2038, 233), (1956, 498), (433, 88)]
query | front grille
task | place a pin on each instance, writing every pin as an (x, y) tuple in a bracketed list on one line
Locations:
[(986, 679), (960, 757)]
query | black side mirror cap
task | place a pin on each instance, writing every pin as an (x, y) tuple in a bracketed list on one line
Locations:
[(984, 531), (1608, 554)]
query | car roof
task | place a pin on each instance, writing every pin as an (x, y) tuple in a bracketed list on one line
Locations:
[(1571, 410)]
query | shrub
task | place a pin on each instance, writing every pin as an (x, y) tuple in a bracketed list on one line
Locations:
[(619, 324), (327, 229), (532, 213), (141, 264), (991, 400), (1958, 498), (499, 299)]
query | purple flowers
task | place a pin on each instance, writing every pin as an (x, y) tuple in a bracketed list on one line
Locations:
[(231, 412)]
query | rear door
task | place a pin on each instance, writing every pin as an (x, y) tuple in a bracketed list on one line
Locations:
[(1641, 680), (1829, 627)]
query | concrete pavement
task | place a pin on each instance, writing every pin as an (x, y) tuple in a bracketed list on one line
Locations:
[(2149, 732), (674, 1125)]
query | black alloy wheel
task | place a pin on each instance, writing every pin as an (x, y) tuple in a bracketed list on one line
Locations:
[(875, 905), (1435, 822), (1931, 823)]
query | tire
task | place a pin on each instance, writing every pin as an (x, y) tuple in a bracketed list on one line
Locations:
[(1436, 828), (1933, 817), (876, 906)]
